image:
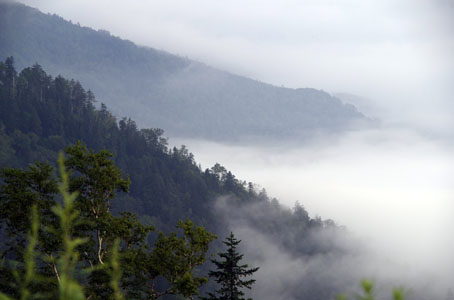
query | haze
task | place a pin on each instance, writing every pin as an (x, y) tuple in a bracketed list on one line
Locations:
[(389, 186), (393, 185), (398, 53)]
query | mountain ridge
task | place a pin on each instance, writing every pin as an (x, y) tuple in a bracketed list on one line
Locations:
[(185, 97)]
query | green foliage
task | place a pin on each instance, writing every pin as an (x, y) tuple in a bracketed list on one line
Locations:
[(341, 297), (115, 272), (21, 190), (167, 185), (68, 258), (368, 292), (398, 294), (28, 276), (69, 288), (29, 257), (174, 258), (166, 182), (96, 178), (229, 273), (368, 289), (85, 232)]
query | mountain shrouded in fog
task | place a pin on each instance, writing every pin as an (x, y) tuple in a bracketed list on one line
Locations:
[(185, 97), (40, 115), (299, 256), (390, 185)]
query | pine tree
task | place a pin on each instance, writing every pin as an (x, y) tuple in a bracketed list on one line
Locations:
[(229, 273)]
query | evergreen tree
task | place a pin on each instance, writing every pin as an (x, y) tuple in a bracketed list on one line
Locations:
[(148, 271), (229, 273)]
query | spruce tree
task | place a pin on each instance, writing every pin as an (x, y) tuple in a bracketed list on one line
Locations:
[(229, 273)]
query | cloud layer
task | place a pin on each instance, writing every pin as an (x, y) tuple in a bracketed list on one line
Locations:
[(331, 261), (391, 187)]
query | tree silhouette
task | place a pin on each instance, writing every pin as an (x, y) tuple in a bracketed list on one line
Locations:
[(229, 273)]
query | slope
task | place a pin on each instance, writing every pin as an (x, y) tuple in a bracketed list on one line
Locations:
[(187, 98), (41, 115)]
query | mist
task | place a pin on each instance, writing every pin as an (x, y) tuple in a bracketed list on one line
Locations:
[(391, 187), (341, 261), (284, 275), (399, 54)]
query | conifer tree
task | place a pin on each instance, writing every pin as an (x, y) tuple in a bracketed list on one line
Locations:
[(229, 273)]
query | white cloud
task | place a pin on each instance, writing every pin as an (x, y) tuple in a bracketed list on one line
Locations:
[(390, 186)]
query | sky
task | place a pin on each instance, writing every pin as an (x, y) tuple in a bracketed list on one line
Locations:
[(399, 54)]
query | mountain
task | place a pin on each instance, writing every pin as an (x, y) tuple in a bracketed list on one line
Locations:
[(365, 105), (300, 257), (185, 97), (41, 115)]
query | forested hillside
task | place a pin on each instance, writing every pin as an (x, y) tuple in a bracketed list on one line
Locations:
[(187, 98), (41, 115)]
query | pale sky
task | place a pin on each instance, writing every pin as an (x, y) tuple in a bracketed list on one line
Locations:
[(399, 53)]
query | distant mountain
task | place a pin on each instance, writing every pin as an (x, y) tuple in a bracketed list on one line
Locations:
[(371, 108), (184, 97)]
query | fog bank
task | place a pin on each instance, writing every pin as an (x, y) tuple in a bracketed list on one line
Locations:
[(392, 187)]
